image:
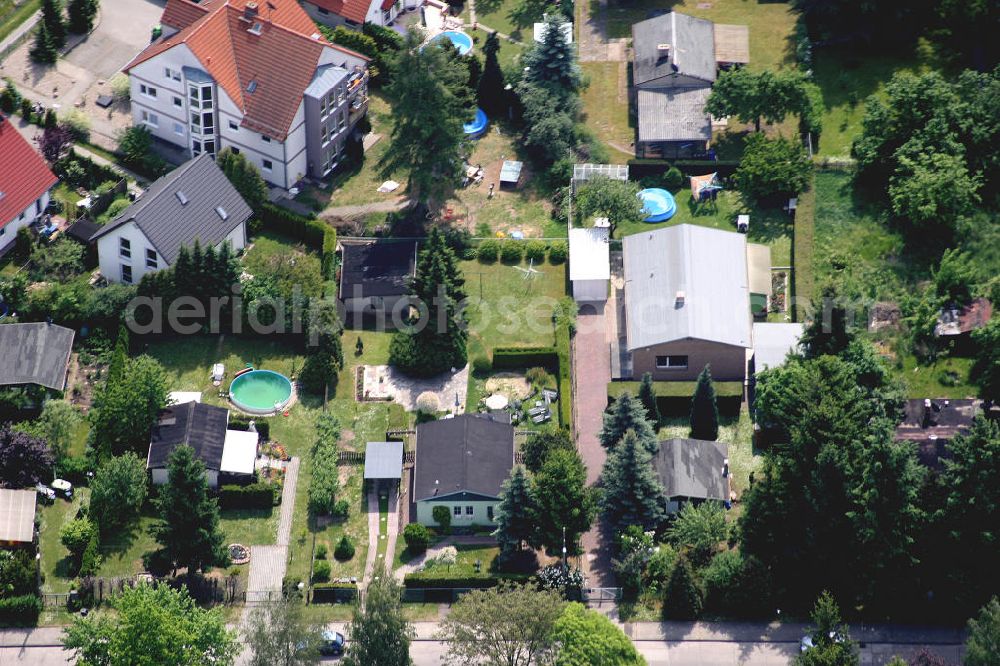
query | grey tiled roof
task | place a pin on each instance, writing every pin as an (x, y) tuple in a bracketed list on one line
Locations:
[(34, 353), (692, 468), (675, 114), (692, 48), (170, 224), (200, 426), (469, 453)]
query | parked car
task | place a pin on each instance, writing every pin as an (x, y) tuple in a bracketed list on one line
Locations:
[(333, 643)]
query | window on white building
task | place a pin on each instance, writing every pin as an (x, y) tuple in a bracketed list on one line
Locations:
[(151, 259), (457, 510), (125, 248), (265, 138), (468, 510), (171, 74), (178, 102), (178, 129), (126, 274), (150, 119), (234, 126), (267, 165), (148, 91)]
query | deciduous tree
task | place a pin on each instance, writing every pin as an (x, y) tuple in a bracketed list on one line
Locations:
[(379, 633), (982, 647), (699, 528), (117, 491), (325, 357), (128, 408), (277, 633), (541, 443), (24, 459), (986, 370), (831, 644), (772, 167), (562, 501), (616, 200), (588, 637)]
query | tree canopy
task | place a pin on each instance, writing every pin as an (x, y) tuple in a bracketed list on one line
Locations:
[(627, 413), (562, 500), (379, 633), (277, 633), (772, 167), (128, 407), (541, 443), (24, 459), (704, 410), (244, 176), (118, 491), (588, 637), (632, 493), (514, 513), (616, 200)]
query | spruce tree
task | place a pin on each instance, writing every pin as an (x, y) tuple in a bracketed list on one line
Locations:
[(475, 72), (440, 342), (647, 396), (81, 15), (44, 50), (52, 18), (627, 413), (704, 411), (513, 514), (633, 494), (189, 528), (491, 94), (682, 600), (552, 63)]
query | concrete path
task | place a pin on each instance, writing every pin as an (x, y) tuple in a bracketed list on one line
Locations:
[(19, 32), (268, 563), (288, 502), (372, 537), (391, 531)]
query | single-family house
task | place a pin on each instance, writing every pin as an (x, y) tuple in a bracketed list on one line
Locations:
[(676, 58), (687, 304), (35, 354), (193, 202), (589, 263), (258, 79), (461, 463), (693, 470), (930, 423), (25, 183), (355, 13), (17, 517), (375, 278), (229, 455)]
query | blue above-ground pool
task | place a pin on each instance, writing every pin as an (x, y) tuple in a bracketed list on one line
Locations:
[(260, 391), (658, 204), (459, 39), (476, 127)]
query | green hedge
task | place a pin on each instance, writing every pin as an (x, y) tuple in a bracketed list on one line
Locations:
[(428, 580), (309, 230), (20, 611), (241, 422), (254, 496), (505, 358), (331, 593), (329, 253), (674, 398), (565, 381)]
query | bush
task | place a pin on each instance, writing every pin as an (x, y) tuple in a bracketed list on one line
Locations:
[(20, 611), (488, 251), (481, 365), (78, 124), (341, 509), (442, 516), (417, 537), (76, 534), (254, 496), (91, 560), (116, 208), (73, 469), (344, 550), (290, 587), (120, 87), (535, 250), (321, 571), (321, 551), (524, 357), (429, 579), (558, 252), (157, 562), (512, 252), (673, 179)]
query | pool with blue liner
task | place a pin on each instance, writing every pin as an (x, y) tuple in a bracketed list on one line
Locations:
[(459, 39), (260, 392), (476, 127), (658, 204)]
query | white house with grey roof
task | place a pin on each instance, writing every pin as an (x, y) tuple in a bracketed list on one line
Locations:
[(193, 202), (687, 304), (676, 58), (693, 470)]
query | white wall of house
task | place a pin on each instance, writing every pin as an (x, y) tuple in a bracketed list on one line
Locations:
[(160, 114), (479, 512), (8, 232)]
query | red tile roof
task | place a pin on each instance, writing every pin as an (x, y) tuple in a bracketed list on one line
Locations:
[(24, 175), (281, 60), (179, 14), (352, 10)]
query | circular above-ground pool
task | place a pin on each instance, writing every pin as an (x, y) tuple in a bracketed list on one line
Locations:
[(658, 204), (459, 39), (260, 391), (476, 127)]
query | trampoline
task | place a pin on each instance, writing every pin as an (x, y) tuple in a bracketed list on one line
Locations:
[(476, 127), (658, 204), (459, 40)]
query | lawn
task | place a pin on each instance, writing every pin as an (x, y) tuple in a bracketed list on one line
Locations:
[(13, 14), (606, 107), (768, 226), (507, 310), (55, 558), (947, 377), (526, 209), (465, 560)]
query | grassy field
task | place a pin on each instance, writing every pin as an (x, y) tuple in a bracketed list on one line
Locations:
[(606, 107), (947, 377), (12, 15), (507, 310)]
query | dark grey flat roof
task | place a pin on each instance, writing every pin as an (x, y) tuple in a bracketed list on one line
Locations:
[(35, 353), (384, 460), (200, 426), (674, 114), (180, 208), (469, 453), (378, 268), (692, 468), (692, 48)]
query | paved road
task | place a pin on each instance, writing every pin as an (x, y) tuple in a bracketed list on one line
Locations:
[(123, 31)]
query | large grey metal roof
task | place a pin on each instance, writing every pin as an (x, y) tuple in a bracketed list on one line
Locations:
[(169, 223), (326, 77), (17, 515), (34, 353), (692, 48), (384, 460), (772, 342), (709, 266), (674, 114), (692, 468)]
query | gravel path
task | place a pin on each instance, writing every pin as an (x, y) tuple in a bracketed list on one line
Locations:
[(372, 537)]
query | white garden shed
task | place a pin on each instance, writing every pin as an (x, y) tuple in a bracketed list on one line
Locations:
[(589, 264)]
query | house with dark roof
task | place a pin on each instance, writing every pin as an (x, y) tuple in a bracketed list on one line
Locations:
[(229, 455), (675, 61), (375, 278), (25, 183), (687, 305), (193, 202), (693, 470), (35, 354), (930, 423), (259, 79), (461, 463)]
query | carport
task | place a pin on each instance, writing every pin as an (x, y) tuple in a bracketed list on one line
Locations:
[(383, 464)]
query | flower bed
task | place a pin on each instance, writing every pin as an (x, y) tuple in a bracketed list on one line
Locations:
[(238, 553)]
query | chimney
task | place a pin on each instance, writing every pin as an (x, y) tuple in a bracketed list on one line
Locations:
[(250, 11), (679, 299), (663, 51)]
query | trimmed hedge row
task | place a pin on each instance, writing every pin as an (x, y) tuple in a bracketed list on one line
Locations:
[(253, 496), (428, 580), (241, 422), (331, 593), (20, 611), (565, 381), (674, 398), (309, 230), (505, 358)]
